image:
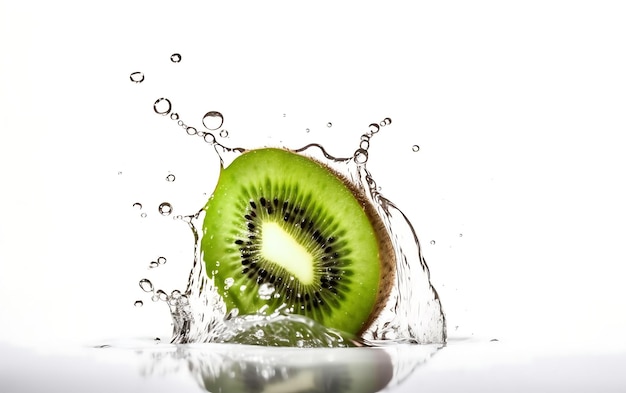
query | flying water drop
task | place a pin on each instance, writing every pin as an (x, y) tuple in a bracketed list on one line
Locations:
[(170, 178), (165, 209), (176, 58), (415, 148), (224, 134), (146, 285), (162, 106), (213, 120), (137, 77)]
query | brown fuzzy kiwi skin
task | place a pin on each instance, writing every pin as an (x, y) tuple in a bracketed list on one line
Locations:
[(386, 253)]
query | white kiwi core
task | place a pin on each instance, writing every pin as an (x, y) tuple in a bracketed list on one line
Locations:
[(281, 248)]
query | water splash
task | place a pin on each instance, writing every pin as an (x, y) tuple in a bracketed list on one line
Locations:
[(412, 313)]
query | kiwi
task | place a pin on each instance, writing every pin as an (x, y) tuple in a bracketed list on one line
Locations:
[(282, 230)]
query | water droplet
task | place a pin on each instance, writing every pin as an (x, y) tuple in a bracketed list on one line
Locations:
[(209, 138), (180, 123), (119, 173), (308, 130), (170, 178), (157, 340), (174, 116), (374, 128), (284, 115), (224, 134), (242, 288), (259, 333), (153, 264), (144, 215), (162, 106), (432, 242), (365, 144), (146, 285), (360, 156), (162, 295), (213, 120), (161, 260), (137, 205), (165, 209), (138, 303), (176, 58), (329, 124), (460, 235), (266, 290), (228, 283), (191, 130), (175, 294), (415, 148), (137, 77), (387, 121)]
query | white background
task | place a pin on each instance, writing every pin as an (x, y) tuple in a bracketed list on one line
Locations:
[(518, 109)]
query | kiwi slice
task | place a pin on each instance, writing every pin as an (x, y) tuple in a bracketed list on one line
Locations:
[(282, 230)]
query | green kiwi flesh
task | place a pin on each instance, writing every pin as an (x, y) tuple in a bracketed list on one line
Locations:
[(285, 220)]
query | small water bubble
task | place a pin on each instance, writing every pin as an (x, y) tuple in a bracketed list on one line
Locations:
[(170, 178), (213, 120), (153, 264), (329, 124), (137, 205), (137, 77), (191, 130), (162, 295), (146, 285), (228, 283), (308, 130), (415, 148), (138, 303), (161, 260), (209, 138), (387, 121), (432, 242), (176, 58), (165, 209), (266, 290), (360, 156), (374, 128), (162, 106), (460, 235), (284, 115), (119, 173), (144, 215), (157, 340), (155, 298), (174, 116), (224, 134), (175, 294), (242, 288), (180, 123), (259, 333), (365, 142)]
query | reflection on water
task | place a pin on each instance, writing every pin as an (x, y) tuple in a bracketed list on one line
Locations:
[(241, 368)]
